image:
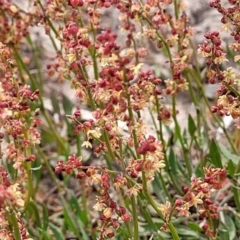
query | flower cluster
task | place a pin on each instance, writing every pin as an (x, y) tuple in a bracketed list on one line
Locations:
[(14, 23), (228, 100), (199, 195), (23, 135), (111, 215), (110, 75)]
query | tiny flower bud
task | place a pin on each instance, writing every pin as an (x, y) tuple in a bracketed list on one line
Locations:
[(77, 113), (75, 3), (126, 217), (179, 202), (112, 204), (1, 135), (108, 126), (81, 175), (31, 158), (121, 210)]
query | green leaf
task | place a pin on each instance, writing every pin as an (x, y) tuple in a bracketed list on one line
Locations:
[(69, 219), (230, 227), (195, 227), (123, 232), (237, 222), (191, 126), (199, 170), (45, 217), (73, 222), (228, 155), (34, 210), (151, 225), (231, 168), (55, 104), (79, 212), (230, 52), (67, 105), (37, 171), (165, 235), (56, 232), (44, 236), (172, 162), (185, 231), (47, 136), (215, 154), (223, 234), (182, 170)]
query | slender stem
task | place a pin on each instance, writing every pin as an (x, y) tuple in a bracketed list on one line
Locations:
[(236, 197), (30, 193), (164, 187), (106, 139), (173, 231), (79, 150), (129, 229), (161, 38), (165, 152), (50, 170), (154, 205), (51, 126), (135, 217), (176, 8), (209, 107), (16, 231), (130, 113), (48, 20), (27, 165), (179, 135), (232, 89)]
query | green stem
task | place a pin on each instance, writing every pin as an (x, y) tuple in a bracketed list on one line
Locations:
[(236, 197), (51, 126), (179, 136), (135, 217), (164, 187), (50, 170), (130, 112), (106, 140), (232, 89), (154, 205), (48, 20), (27, 165), (16, 231), (173, 231), (129, 230), (176, 186), (30, 192), (176, 9), (25, 68), (161, 38), (79, 150)]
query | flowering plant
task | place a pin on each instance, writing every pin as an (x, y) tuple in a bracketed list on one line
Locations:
[(116, 160)]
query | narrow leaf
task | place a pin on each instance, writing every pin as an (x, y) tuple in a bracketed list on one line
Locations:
[(215, 155), (231, 168), (228, 155), (191, 126), (45, 217), (67, 105), (56, 232), (172, 162)]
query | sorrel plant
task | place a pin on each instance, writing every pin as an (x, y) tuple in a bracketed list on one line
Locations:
[(150, 175)]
